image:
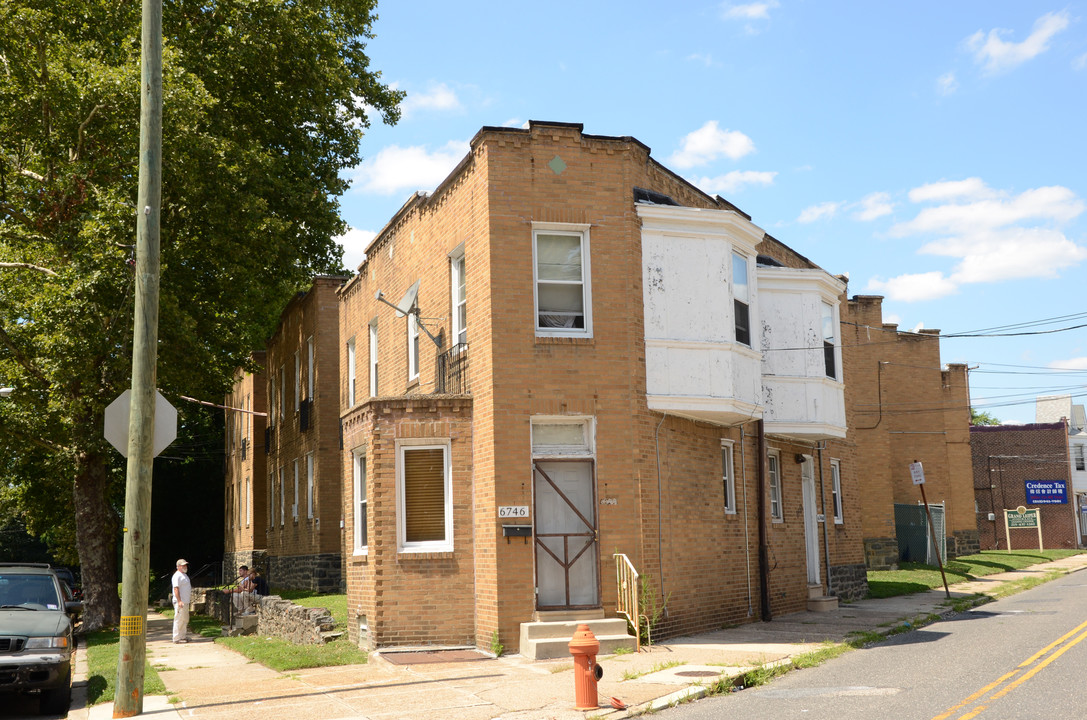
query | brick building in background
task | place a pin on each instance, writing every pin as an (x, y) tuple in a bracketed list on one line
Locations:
[(1059, 408), (601, 359), (1012, 460), (245, 520), (303, 486), (904, 407)]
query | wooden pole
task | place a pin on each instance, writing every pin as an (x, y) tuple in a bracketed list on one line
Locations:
[(132, 650), (935, 544)]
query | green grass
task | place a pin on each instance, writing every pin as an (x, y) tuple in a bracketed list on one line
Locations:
[(102, 649), (281, 655), (632, 675), (917, 577), (335, 604)]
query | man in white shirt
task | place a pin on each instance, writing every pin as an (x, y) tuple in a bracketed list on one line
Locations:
[(182, 592)]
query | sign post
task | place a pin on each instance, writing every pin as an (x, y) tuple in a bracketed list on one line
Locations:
[(917, 472), (1022, 518)]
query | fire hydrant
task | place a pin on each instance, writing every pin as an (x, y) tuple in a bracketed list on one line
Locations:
[(584, 646)]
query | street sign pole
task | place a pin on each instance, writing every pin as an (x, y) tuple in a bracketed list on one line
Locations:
[(918, 475), (132, 649)]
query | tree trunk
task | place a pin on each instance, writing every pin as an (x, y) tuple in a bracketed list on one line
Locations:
[(96, 525)]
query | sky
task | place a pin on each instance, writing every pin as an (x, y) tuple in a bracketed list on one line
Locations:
[(934, 152)]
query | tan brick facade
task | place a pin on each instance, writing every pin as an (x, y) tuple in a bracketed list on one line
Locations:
[(304, 537), (245, 513), (657, 480), (1005, 458)]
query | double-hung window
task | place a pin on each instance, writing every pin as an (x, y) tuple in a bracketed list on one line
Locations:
[(562, 289), (294, 507), (272, 500), (309, 369), (283, 496), (351, 372), (248, 500), (741, 299), (728, 480), (424, 497), (309, 485), (297, 380), (458, 297), (413, 347), (773, 470), (828, 341), (1081, 464), (836, 490), (359, 474)]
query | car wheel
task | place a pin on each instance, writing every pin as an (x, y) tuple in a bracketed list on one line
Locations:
[(57, 700)]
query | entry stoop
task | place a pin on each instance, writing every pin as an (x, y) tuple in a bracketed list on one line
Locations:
[(548, 639), (818, 602)]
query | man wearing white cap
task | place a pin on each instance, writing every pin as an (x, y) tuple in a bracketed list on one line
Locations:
[(182, 590)]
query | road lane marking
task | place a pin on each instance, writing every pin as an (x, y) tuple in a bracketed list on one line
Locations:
[(1008, 677)]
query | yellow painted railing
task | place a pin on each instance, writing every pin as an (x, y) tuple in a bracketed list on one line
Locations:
[(628, 603)]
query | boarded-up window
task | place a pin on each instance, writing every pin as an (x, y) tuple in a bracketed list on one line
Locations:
[(424, 495)]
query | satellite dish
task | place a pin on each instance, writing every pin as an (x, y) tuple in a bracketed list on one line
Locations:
[(408, 301)]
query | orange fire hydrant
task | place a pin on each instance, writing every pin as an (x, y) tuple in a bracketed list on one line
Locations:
[(584, 646)]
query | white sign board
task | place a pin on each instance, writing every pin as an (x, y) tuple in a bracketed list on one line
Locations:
[(917, 473), (513, 511), (116, 430)]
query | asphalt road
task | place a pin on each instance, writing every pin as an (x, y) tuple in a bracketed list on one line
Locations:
[(1015, 659)]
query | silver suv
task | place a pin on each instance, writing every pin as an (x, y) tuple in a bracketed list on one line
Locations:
[(36, 612)]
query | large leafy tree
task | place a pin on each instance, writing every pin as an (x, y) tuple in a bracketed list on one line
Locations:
[(265, 103)]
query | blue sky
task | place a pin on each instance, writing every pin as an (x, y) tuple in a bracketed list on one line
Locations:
[(936, 152)]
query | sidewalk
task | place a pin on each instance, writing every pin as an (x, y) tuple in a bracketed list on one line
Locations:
[(213, 682)]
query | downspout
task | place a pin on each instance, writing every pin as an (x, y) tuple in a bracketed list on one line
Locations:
[(747, 516), (764, 544), (823, 498)]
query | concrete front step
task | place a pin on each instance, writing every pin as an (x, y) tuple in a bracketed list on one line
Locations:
[(825, 603), (815, 590), (547, 640)]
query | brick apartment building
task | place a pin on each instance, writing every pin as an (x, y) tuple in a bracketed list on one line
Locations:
[(903, 407), (1011, 461), (601, 359), (245, 520), (1059, 408), (302, 488)]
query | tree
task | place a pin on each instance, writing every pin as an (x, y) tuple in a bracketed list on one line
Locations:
[(265, 103), (982, 418)]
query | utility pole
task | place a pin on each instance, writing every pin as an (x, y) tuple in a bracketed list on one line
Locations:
[(132, 651)]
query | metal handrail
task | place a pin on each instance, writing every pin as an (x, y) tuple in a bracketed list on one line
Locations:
[(628, 602)]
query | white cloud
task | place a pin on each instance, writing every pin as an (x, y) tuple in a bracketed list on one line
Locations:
[(1079, 363), (437, 97), (749, 11), (735, 181), (354, 244), (706, 59), (710, 142), (946, 84), (819, 212), (994, 235), (892, 319), (874, 205), (998, 55), (914, 287), (397, 169), (1080, 63)]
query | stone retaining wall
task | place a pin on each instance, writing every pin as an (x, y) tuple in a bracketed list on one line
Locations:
[(848, 582), (967, 542), (276, 617), (881, 553)]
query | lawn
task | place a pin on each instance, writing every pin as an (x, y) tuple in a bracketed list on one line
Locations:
[(102, 649), (917, 577)]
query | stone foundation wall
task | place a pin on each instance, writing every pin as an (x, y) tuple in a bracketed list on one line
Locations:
[(321, 573), (881, 553), (257, 559), (848, 582), (967, 542)]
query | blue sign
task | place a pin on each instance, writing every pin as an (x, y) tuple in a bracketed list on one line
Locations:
[(1047, 492)]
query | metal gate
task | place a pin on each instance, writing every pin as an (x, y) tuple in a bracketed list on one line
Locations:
[(914, 538)]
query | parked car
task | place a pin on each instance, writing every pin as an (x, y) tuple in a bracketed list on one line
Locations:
[(68, 577), (36, 611)]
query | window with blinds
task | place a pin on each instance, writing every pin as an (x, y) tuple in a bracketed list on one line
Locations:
[(425, 495)]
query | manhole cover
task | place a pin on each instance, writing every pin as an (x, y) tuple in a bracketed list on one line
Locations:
[(434, 656), (698, 673)]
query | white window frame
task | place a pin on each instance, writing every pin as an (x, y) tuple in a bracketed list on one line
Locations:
[(373, 357), (297, 381), (728, 477), (413, 347), (457, 278), (282, 496), (445, 545), (830, 342), (272, 400), (351, 373), (586, 448), (309, 368), (309, 485), (572, 229), (358, 465), (836, 490), (272, 500), (746, 301), (281, 390), (248, 502), (773, 473), (1078, 457), (294, 507)]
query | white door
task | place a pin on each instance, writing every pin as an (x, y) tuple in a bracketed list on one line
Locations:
[(565, 532), (811, 524)]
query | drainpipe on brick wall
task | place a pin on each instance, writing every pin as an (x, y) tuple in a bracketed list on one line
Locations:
[(747, 516), (764, 545), (823, 497)]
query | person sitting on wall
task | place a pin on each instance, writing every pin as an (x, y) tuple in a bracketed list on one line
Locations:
[(260, 585), (243, 592)]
